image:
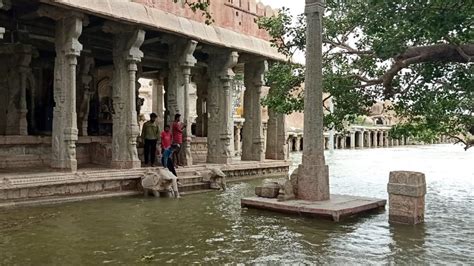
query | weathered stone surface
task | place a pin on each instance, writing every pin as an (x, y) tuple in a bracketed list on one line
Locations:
[(220, 138), (127, 54), (180, 62), (65, 132), (406, 197), (407, 183), (313, 174), (253, 148), (277, 147), (16, 81), (289, 187), (268, 190), (337, 207)]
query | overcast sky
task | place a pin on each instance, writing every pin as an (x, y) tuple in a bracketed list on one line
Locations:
[(296, 6)]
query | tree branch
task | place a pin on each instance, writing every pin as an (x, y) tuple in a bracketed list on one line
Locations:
[(348, 49), (467, 143)]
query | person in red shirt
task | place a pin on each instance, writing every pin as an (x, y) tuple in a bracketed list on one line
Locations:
[(166, 138), (177, 128)]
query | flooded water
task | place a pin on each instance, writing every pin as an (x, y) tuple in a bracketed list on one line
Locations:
[(212, 228)]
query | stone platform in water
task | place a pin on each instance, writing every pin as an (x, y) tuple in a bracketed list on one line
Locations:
[(337, 207), (44, 186)]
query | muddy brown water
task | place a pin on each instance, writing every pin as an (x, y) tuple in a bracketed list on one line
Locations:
[(213, 229)]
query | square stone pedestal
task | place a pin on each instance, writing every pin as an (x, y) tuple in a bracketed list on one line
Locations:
[(337, 207)]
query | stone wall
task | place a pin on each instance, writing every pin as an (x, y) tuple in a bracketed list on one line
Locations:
[(236, 15), (35, 151), (199, 150)]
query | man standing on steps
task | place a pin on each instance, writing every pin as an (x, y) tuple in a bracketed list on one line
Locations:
[(150, 137), (177, 128)]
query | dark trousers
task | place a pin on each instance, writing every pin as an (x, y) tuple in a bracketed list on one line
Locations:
[(150, 151), (176, 155), (170, 167)]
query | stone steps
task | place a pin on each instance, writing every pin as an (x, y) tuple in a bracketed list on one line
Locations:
[(62, 199), (194, 186), (50, 186)]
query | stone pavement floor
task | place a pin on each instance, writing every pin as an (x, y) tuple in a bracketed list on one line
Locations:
[(337, 207)]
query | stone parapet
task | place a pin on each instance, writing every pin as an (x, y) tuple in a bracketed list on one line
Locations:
[(406, 197)]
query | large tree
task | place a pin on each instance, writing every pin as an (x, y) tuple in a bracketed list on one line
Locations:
[(418, 54)]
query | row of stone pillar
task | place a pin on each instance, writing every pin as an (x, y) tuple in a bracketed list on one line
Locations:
[(126, 56), (360, 139)]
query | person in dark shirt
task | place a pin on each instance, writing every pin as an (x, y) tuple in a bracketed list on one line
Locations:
[(166, 159)]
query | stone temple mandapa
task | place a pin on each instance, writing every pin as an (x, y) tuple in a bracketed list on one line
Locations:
[(69, 89)]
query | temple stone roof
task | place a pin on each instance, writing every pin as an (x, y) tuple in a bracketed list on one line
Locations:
[(152, 18)]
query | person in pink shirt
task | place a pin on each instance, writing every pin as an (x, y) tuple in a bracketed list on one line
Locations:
[(166, 138), (177, 128)]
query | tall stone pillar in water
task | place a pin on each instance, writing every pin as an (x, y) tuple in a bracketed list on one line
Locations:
[(181, 62), (252, 140), (127, 54), (65, 132), (313, 173), (220, 135)]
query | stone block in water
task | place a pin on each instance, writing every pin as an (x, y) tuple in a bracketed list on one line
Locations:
[(406, 192), (270, 190)]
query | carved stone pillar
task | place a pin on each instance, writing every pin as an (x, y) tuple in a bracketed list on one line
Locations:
[(16, 80), (353, 139), (127, 54), (4, 5), (265, 128), (381, 139), (396, 142), (179, 79), (368, 139), (313, 173), (253, 148), (158, 106), (68, 48), (87, 64), (201, 102), (220, 137), (385, 139), (375, 140), (361, 139), (277, 144), (298, 143), (402, 141), (237, 140)]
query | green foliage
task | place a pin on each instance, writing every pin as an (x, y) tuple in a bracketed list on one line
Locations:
[(200, 6), (418, 54)]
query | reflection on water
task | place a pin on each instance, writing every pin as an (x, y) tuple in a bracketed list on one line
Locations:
[(212, 228)]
